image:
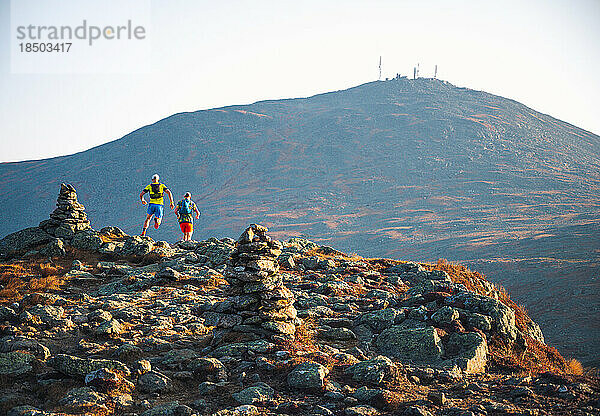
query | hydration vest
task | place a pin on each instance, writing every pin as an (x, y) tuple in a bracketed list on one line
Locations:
[(156, 191)]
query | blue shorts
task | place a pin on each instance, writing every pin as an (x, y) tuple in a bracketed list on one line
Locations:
[(156, 210)]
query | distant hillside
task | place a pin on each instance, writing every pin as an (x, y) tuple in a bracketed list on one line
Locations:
[(409, 169)]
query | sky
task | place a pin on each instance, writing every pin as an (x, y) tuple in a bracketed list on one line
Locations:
[(207, 54)]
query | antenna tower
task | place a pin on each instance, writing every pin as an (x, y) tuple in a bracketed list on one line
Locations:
[(435, 72), (379, 67)]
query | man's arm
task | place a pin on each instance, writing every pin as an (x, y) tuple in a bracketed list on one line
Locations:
[(197, 211), (168, 192), (142, 197)]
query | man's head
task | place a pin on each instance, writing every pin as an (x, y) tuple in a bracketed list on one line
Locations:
[(155, 178), (187, 195)]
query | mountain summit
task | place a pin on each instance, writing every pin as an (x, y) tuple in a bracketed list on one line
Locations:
[(416, 169)]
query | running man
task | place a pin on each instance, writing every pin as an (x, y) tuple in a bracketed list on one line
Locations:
[(155, 208), (184, 211)]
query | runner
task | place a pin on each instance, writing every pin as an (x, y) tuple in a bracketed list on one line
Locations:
[(184, 211), (155, 208)]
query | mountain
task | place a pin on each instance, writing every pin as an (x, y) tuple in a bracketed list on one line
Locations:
[(406, 169)]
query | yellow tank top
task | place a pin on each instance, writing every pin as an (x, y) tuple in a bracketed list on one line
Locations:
[(156, 191)]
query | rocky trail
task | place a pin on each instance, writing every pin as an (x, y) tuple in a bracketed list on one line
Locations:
[(120, 324)]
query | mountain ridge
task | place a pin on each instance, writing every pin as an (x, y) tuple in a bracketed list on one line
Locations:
[(267, 101)]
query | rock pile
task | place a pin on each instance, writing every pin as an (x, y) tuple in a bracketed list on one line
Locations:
[(69, 216), (266, 305)]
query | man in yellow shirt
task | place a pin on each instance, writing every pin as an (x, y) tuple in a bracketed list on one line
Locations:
[(155, 208)]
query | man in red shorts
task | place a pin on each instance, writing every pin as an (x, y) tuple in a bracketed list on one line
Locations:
[(185, 208)]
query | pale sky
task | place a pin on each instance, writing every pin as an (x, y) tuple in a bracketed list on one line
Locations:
[(208, 54)]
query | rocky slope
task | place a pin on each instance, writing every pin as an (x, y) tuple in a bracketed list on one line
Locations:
[(415, 169), (119, 324)]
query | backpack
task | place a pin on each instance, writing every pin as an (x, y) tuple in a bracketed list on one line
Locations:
[(186, 207), (155, 191)]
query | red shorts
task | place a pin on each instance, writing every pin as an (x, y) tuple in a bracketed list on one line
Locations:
[(186, 227)]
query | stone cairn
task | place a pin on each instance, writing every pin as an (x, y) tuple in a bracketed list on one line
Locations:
[(253, 271), (69, 216)]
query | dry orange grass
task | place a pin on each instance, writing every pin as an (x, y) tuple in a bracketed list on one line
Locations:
[(535, 359), (21, 278), (304, 338), (575, 367)]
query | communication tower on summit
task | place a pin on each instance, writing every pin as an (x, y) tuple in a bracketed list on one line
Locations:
[(379, 67), (435, 72)]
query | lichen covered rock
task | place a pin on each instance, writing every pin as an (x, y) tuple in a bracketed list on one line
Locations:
[(307, 376), (79, 367), (421, 345)]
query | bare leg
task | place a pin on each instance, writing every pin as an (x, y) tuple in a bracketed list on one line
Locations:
[(146, 224), (157, 222)]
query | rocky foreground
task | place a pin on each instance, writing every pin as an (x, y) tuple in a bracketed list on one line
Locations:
[(119, 324)]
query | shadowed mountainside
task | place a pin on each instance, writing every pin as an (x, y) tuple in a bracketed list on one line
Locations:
[(411, 169)]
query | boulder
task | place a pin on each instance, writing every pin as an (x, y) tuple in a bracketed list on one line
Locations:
[(361, 410), (55, 248), (503, 317), (110, 328), (381, 319), (48, 314), (364, 394), (87, 240), (15, 363), (106, 380), (153, 382), (23, 240), (257, 393), (7, 314), (419, 345), (474, 320), (216, 251), (208, 369), (84, 399), (336, 334), (374, 371), (112, 232), (11, 343), (300, 245), (308, 376), (468, 351), (79, 367), (137, 246), (445, 315), (169, 409)]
